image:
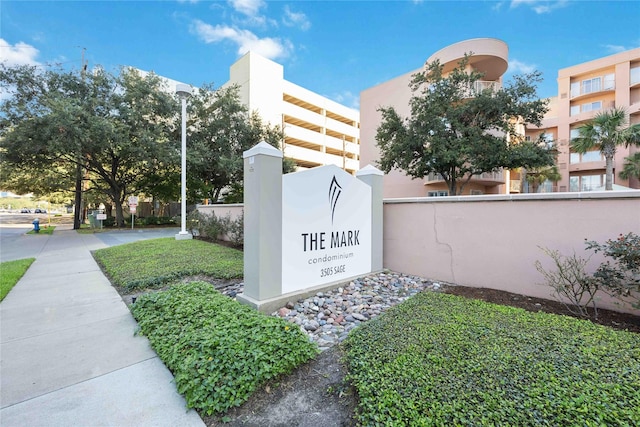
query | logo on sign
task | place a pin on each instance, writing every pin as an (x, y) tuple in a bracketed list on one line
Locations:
[(334, 193)]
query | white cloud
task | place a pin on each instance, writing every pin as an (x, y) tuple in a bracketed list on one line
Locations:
[(268, 47), (295, 19), (516, 66), (614, 48), (540, 6), (19, 54), (249, 8), (347, 99)]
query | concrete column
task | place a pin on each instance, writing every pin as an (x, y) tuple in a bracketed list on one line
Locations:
[(373, 178), (262, 224)]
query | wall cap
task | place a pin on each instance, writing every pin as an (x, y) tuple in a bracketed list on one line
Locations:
[(264, 149), (586, 195)]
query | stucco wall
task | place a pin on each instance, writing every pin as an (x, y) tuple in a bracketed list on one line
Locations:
[(234, 211), (493, 241)]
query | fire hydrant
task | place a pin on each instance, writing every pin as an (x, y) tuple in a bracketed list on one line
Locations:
[(36, 225)]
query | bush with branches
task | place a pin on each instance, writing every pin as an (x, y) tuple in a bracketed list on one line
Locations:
[(618, 275)]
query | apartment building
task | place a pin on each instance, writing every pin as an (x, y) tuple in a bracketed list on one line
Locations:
[(584, 90), (490, 57), (318, 131)]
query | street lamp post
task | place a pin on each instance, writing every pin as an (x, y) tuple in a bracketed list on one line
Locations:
[(184, 92)]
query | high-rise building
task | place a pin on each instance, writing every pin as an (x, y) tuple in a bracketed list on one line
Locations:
[(585, 90), (490, 57), (318, 131)]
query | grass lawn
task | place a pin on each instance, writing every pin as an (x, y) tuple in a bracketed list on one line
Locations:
[(11, 272), (156, 262), (440, 359), (45, 229)]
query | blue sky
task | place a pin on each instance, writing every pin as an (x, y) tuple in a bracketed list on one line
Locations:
[(334, 48)]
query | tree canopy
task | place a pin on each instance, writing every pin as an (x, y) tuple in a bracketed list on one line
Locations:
[(112, 130), (606, 132), (460, 126), (119, 135), (221, 128)]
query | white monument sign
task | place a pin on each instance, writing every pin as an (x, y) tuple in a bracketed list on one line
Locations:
[(326, 227)]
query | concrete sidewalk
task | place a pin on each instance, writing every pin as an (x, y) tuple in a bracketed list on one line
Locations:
[(68, 351)]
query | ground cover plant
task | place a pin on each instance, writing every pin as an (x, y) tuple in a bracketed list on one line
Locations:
[(218, 350), (12, 271), (440, 359), (45, 229), (157, 262)]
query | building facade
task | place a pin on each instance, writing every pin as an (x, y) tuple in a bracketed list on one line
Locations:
[(584, 90), (490, 57), (318, 131)]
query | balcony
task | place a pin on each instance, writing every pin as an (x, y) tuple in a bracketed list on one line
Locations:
[(592, 86), (482, 85), (487, 178)]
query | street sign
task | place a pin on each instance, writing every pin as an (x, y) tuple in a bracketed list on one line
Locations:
[(133, 201), (101, 216), (132, 209)]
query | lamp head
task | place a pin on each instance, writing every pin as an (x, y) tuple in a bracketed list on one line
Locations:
[(183, 91)]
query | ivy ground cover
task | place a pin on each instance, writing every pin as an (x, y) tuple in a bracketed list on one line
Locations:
[(439, 360), (218, 350)]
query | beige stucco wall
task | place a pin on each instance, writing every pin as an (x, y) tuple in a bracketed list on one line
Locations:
[(234, 211), (493, 241)]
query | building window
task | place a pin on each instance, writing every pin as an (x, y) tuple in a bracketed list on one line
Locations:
[(609, 82), (574, 158), (592, 156), (575, 110), (586, 182), (476, 193), (589, 156), (591, 85), (575, 89), (575, 133), (634, 75), (437, 193), (592, 106)]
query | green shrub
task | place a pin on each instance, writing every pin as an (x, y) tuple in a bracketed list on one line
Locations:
[(442, 360), (620, 273), (219, 351)]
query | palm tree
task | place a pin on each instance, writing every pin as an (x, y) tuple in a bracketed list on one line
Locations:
[(538, 176), (631, 167), (606, 132)]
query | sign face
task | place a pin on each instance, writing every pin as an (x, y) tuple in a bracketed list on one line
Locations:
[(133, 201), (326, 227), (132, 209), (101, 216)]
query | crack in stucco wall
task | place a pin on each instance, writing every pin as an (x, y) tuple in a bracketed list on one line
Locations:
[(439, 243)]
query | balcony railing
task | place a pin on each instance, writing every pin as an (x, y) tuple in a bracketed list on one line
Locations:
[(482, 85), (497, 177), (596, 84)]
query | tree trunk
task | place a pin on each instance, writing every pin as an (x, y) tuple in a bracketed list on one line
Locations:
[(119, 213), (77, 212), (608, 178)]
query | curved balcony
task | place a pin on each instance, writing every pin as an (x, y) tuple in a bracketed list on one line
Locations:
[(490, 56)]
